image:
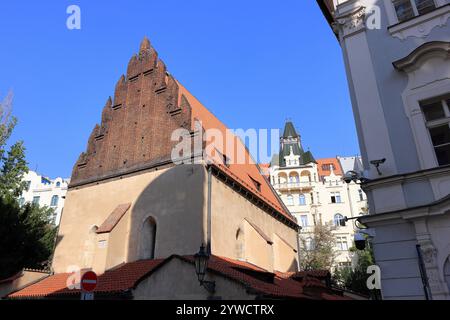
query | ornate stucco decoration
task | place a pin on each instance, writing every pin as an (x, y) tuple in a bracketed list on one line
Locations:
[(350, 22), (421, 26), (427, 64)]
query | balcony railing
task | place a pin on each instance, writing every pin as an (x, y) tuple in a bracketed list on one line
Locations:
[(293, 185)]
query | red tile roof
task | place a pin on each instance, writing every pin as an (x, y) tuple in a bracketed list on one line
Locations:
[(129, 275), (116, 280), (326, 161), (242, 173)]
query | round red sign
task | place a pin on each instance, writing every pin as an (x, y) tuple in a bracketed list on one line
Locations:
[(89, 281)]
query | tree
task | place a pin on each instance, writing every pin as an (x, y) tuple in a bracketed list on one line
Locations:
[(13, 163), (27, 235), (355, 279), (317, 249)]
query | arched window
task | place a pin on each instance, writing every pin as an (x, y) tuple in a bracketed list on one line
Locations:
[(290, 200), (301, 200), (58, 184), (148, 239), (240, 245), (339, 220), (54, 202)]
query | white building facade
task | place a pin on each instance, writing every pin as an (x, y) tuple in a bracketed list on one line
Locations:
[(45, 192), (315, 193), (397, 59)]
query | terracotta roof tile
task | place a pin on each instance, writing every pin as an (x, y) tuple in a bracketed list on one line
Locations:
[(278, 285), (325, 161), (243, 173)]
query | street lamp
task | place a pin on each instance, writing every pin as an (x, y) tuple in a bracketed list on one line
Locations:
[(201, 265)]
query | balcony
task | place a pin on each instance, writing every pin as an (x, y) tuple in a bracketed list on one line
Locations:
[(293, 185)]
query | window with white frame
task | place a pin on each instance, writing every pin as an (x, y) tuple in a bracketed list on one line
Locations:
[(437, 117), (36, 200), (54, 201), (361, 195), (407, 9), (304, 220), (336, 197), (302, 200), (339, 220), (341, 243), (289, 200)]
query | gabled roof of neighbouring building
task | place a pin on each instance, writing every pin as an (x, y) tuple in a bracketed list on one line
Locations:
[(128, 276)]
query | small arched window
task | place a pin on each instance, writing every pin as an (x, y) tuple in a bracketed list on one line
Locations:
[(54, 202), (148, 239), (290, 200), (240, 245), (339, 220), (58, 184), (301, 200)]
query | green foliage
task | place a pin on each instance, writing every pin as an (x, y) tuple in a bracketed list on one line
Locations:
[(356, 279), (26, 233), (321, 255), (13, 165), (29, 236)]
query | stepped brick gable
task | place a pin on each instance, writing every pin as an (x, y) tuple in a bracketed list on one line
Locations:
[(136, 125)]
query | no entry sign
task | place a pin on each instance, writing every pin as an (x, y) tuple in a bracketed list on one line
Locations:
[(88, 281)]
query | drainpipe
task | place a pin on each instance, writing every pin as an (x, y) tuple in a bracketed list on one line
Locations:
[(208, 221), (298, 248), (423, 274)]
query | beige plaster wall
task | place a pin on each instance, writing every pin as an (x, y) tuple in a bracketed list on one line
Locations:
[(177, 281), (174, 197), (282, 260), (229, 210)]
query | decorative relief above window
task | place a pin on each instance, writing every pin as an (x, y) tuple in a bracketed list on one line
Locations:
[(416, 18)]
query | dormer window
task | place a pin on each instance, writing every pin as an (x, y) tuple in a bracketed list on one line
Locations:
[(256, 183), (408, 9)]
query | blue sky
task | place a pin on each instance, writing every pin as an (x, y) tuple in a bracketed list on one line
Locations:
[(252, 63)]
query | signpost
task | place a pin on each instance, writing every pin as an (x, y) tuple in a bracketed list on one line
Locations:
[(88, 284)]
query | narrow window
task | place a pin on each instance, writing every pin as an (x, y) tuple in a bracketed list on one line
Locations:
[(304, 220), (301, 200), (437, 116), (290, 200), (149, 239), (36, 200), (339, 220), (54, 202), (361, 195)]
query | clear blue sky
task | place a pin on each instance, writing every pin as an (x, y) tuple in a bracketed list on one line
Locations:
[(252, 63)]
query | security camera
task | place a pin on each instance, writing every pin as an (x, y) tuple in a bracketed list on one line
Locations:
[(377, 164), (360, 241)]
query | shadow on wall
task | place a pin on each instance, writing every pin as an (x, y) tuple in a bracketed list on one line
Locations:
[(168, 216)]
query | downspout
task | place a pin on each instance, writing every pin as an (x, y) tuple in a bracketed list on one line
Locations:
[(208, 219), (298, 248), (423, 274)]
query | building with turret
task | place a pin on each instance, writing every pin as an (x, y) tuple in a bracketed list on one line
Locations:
[(137, 218), (315, 193)]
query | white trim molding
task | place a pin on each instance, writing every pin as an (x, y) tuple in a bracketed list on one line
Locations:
[(420, 26)]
